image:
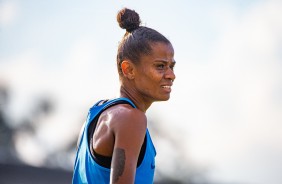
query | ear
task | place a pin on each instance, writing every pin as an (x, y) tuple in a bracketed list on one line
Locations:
[(127, 68)]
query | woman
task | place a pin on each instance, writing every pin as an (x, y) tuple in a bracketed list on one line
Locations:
[(115, 145)]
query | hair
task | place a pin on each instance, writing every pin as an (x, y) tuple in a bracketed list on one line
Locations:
[(137, 40)]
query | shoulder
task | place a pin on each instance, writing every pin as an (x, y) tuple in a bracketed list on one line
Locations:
[(124, 117)]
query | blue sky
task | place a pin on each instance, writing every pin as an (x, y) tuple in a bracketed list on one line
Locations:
[(226, 102)]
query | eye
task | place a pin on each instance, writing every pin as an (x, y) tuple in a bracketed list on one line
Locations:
[(161, 66), (172, 66)]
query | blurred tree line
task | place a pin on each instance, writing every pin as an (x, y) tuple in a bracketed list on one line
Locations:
[(57, 163)]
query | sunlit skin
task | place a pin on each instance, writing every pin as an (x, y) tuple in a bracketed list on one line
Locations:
[(151, 79), (121, 129)]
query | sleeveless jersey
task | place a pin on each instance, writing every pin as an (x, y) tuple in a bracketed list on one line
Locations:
[(87, 170)]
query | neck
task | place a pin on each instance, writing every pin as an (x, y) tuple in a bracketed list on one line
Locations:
[(138, 100)]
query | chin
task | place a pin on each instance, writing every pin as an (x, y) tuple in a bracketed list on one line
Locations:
[(165, 98), (160, 98)]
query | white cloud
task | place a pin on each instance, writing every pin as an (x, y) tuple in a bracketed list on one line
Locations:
[(229, 99), (9, 11), (73, 85), (223, 110)]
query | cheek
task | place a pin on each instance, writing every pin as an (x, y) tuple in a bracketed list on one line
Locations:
[(157, 75), (150, 77), (153, 78)]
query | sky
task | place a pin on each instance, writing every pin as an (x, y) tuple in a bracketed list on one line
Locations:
[(225, 110)]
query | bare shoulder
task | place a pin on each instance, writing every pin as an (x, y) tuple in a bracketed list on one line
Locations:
[(126, 118)]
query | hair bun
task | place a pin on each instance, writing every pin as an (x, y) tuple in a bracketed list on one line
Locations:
[(128, 19)]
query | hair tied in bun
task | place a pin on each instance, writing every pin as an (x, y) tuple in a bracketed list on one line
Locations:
[(128, 19)]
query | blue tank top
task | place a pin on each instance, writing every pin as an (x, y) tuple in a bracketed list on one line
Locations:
[(87, 170)]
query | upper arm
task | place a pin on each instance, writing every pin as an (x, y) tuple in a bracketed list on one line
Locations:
[(129, 131)]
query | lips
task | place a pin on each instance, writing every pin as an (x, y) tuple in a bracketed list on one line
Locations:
[(166, 87)]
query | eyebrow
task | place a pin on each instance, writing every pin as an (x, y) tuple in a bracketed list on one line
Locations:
[(164, 61)]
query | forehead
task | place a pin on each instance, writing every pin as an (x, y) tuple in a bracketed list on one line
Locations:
[(160, 51), (162, 48)]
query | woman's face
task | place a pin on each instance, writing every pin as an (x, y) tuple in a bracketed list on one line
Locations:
[(154, 74)]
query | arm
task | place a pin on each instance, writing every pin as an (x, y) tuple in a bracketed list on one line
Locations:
[(129, 135)]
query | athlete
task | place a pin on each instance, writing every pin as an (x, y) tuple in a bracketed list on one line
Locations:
[(115, 145)]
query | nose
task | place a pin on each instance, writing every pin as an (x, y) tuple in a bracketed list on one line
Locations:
[(170, 74)]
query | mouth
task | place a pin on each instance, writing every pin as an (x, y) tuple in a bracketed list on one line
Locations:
[(166, 87)]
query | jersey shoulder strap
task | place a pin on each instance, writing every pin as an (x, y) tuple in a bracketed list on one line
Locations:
[(102, 105), (115, 101)]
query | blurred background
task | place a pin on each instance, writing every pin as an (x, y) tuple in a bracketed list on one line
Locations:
[(222, 125)]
